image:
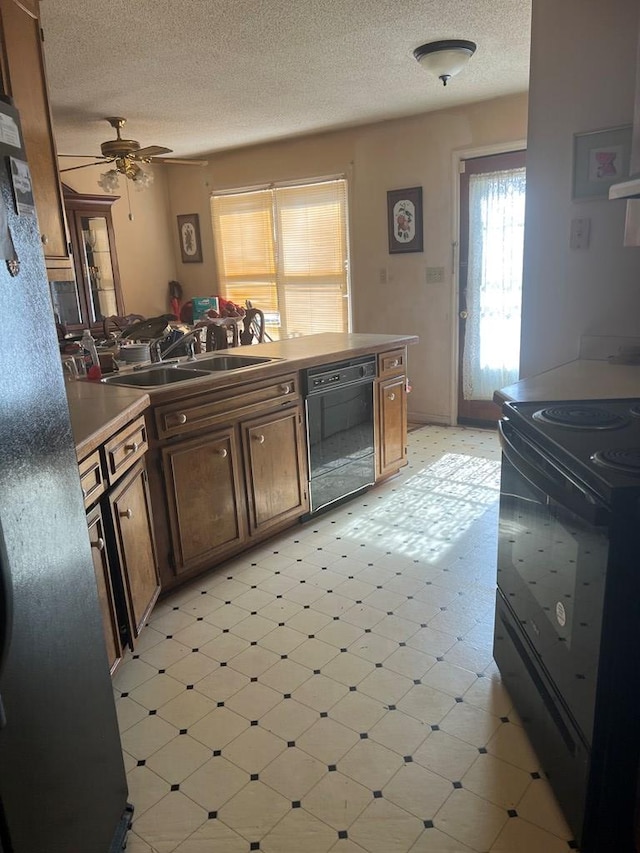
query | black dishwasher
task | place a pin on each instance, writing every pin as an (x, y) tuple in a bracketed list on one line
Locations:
[(339, 410)]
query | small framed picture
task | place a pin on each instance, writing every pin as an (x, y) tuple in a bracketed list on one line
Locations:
[(189, 232), (22, 188), (600, 158), (404, 220)]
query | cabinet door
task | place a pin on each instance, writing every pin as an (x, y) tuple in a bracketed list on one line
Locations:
[(275, 468), (23, 77), (392, 425), (131, 515), (105, 587), (205, 498)]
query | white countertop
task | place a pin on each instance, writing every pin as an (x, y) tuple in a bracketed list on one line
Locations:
[(583, 379)]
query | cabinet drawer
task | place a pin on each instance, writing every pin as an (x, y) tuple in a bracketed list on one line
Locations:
[(392, 363), (91, 479), (222, 406), (125, 448)]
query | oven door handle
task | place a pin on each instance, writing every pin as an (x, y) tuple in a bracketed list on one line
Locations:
[(564, 489)]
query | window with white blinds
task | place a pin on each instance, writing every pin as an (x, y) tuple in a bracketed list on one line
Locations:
[(285, 248)]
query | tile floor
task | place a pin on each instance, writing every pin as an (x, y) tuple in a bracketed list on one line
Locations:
[(334, 690)]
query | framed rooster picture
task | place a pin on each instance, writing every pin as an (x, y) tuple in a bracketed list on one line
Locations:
[(404, 219)]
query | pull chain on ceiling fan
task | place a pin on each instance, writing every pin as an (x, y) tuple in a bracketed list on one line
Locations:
[(126, 156)]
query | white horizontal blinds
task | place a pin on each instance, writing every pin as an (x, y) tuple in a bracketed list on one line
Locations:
[(244, 247), (311, 234)]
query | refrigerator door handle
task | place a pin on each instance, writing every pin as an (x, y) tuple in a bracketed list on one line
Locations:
[(6, 619)]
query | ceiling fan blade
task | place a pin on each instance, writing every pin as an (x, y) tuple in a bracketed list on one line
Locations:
[(149, 151), (84, 166), (84, 156), (173, 161)]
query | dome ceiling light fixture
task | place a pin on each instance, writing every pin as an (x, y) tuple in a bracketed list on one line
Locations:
[(445, 58)]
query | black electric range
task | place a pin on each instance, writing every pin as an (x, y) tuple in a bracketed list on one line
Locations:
[(567, 636), (598, 441)]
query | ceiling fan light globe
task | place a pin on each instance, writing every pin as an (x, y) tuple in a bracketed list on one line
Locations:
[(109, 181), (143, 180)]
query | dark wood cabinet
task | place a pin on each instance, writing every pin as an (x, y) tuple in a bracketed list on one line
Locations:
[(205, 498), (228, 468), (104, 583), (392, 410), (133, 532), (24, 79), (391, 417), (114, 485), (274, 454), (96, 292)]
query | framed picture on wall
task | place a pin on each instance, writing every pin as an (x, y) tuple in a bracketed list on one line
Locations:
[(404, 220), (189, 232), (600, 158), (22, 187)]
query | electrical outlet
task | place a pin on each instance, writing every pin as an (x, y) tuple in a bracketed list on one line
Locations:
[(382, 275), (435, 275)]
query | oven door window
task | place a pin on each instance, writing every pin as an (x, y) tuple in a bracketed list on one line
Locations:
[(551, 569)]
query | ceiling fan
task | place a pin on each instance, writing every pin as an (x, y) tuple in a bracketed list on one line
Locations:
[(126, 156)]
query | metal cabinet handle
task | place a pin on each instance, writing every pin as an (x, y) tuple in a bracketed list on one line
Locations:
[(84, 493), (259, 439), (391, 396), (126, 513), (44, 239), (98, 544), (222, 452), (132, 447), (181, 418), (463, 315), (395, 363), (286, 389)]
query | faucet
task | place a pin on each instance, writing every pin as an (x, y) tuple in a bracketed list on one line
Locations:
[(188, 338)]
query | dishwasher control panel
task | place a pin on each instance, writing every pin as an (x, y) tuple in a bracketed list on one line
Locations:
[(337, 375)]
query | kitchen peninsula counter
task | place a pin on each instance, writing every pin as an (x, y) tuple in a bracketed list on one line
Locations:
[(98, 409), (583, 379)]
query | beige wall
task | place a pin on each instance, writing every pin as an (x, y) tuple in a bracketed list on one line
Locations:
[(144, 244), (582, 78), (416, 151)]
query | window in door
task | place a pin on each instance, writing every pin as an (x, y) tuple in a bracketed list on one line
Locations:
[(492, 198), (285, 248)]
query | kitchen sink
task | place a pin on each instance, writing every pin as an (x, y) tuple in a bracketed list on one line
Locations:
[(230, 362), (153, 377), (156, 376)]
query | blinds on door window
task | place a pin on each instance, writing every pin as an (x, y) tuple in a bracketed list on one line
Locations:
[(286, 249)]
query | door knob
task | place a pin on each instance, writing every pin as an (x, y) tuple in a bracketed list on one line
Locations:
[(464, 315)]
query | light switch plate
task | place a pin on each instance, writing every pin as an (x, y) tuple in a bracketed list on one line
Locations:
[(580, 233)]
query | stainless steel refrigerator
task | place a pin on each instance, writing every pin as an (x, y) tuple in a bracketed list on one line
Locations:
[(62, 782)]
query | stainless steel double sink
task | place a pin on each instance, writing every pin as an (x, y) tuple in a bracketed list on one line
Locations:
[(166, 374)]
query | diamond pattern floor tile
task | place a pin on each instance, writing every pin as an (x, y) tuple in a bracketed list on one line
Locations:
[(333, 690)]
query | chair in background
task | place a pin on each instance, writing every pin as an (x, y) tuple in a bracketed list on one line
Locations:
[(221, 334), (253, 327)]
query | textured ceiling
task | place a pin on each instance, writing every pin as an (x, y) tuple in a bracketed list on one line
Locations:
[(204, 75)]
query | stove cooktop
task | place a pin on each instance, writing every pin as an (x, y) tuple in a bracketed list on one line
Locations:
[(597, 440)]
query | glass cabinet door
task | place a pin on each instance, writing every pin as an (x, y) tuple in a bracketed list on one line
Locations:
[(96, 257)]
